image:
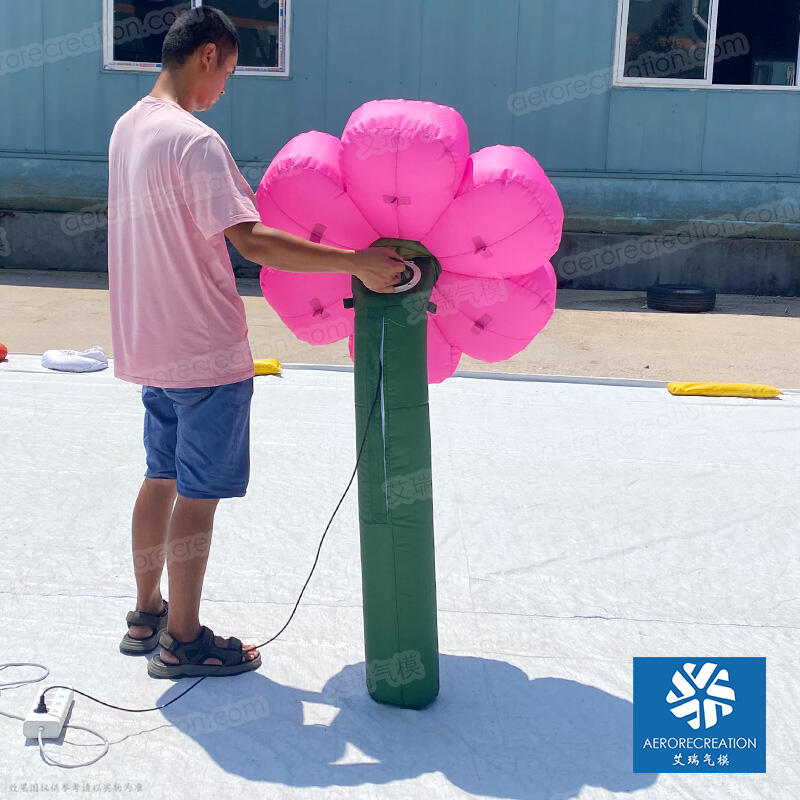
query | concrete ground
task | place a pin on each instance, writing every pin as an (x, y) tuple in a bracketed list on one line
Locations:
[(592, 333)]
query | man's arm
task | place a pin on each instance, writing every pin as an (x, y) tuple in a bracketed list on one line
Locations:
[(378, 268)]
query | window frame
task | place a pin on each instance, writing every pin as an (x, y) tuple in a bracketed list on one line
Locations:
[(284, 46), (623, 9)]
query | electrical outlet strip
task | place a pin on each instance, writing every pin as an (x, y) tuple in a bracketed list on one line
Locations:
[(59, 702)]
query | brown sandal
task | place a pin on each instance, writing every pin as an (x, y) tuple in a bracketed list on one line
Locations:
[(157, 622), (191, 655)]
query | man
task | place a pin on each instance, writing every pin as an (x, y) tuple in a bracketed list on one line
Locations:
[(179, 330)]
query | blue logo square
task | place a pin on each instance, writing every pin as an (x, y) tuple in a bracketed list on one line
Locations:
[(699, 714)]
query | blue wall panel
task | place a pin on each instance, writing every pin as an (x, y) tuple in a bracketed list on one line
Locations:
[(656, 130), (21, 91), (557, 41), (374, 52), (752, 132), (81, 102), (265, 117), (469, 50), (269, 112), (468, 53)]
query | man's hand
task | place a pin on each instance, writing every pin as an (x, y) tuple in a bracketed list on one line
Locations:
[(378, 268)]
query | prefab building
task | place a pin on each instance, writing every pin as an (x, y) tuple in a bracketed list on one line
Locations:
[(671, 128)]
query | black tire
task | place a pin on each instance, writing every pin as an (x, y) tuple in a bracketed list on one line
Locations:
[(681, 299)]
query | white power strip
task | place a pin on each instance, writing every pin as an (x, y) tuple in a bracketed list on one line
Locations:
[(59, 702)]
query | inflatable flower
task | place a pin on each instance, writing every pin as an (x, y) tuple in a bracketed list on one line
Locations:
[(477, 233), (402, 170)]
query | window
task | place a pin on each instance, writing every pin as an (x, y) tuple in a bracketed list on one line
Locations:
[(708, 43), (134, 32)]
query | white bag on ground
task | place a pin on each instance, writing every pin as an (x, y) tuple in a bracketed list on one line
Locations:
[(90, 360)]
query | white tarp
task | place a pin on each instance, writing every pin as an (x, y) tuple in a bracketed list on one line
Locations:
[(577, 526)]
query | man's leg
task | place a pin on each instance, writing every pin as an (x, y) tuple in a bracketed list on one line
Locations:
[(151, 516), (212, 461), (188, 545), (153, 509)]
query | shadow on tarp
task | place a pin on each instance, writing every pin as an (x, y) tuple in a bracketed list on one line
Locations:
[(492, 731)]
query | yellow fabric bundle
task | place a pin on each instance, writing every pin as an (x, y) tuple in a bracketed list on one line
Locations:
[(723, 389), (267, 366)]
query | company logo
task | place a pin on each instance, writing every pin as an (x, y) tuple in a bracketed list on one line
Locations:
[(699, 714), (696, 698)]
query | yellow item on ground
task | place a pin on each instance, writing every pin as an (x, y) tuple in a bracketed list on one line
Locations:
[(267, 366), (723, 389)]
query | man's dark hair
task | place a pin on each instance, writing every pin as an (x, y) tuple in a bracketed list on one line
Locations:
[(195, 28)]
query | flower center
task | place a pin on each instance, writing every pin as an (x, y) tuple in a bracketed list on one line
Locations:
[(426, 262)]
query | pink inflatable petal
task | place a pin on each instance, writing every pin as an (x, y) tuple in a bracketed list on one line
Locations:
[(402, 170), (493, 319), (506, 219), (443, 356), (302, 193), (310, 304), (272, 215), (402, 162)]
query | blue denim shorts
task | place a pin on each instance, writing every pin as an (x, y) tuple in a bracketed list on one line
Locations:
[(199, 438)]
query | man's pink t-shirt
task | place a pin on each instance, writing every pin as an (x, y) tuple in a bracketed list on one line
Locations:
[(177, 320)]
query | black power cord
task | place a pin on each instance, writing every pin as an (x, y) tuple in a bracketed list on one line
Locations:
[(42, 705)]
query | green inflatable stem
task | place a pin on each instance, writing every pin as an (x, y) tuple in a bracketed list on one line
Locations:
[(394, 486)]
